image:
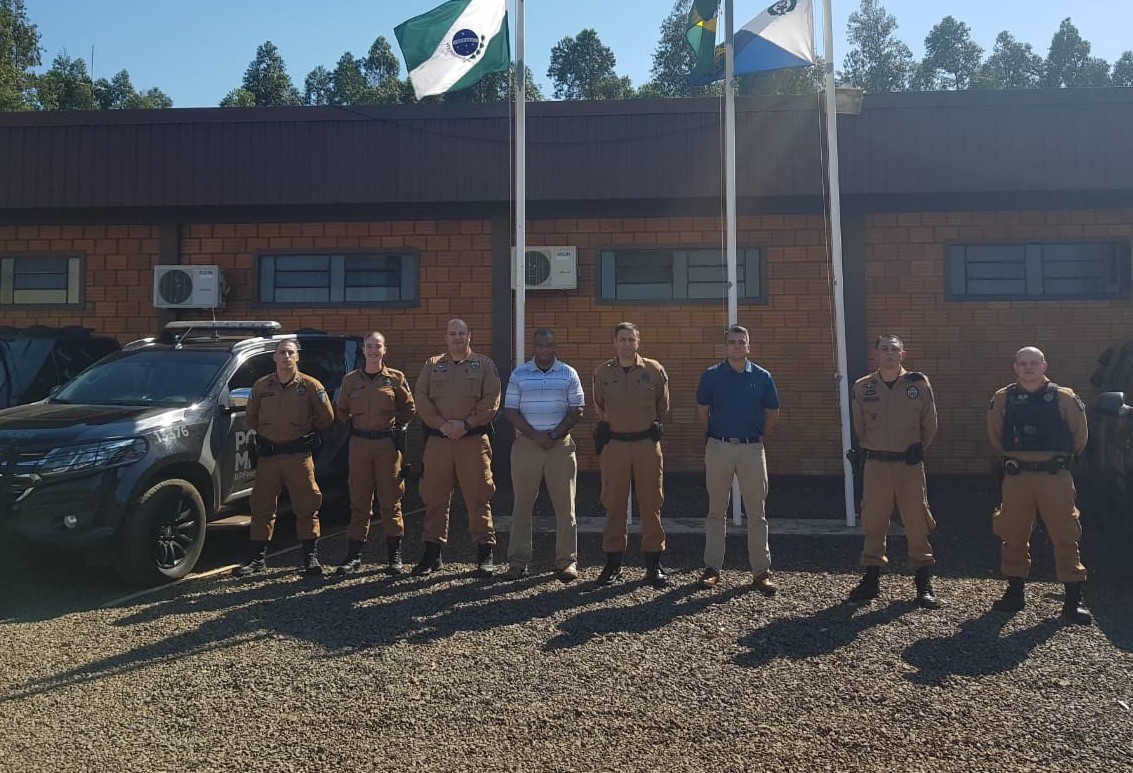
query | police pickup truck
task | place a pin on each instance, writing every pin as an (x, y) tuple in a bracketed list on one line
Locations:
[(131, 459)]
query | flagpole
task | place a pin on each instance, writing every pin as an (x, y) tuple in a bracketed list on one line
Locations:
[(730, 201), (836, 258), (520, 267)]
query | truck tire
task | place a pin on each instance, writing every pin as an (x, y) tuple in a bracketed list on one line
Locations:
[(163, 536)]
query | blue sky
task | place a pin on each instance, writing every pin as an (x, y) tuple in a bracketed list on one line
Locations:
[(197, 51)]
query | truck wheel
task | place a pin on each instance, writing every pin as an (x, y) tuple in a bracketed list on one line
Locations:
[(164, 534)]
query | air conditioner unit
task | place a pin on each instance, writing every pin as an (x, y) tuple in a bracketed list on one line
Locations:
[(549, 268), (188, 287)]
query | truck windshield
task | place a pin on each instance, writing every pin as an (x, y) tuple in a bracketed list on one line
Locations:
[(146, 378)]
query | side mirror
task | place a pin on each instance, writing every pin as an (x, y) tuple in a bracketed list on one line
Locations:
[(1113, 404), (238, 398)]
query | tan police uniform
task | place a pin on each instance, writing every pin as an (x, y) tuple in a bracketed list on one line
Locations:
[(467, 391), (631, 400), (283, 414), (887, 420), (375, 404), (1029, 491)]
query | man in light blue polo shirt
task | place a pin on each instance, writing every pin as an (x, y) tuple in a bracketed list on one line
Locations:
[(738, 403), (544, 401)]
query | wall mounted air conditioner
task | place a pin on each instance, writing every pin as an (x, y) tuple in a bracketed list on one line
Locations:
[(188, 287), (549, 268)]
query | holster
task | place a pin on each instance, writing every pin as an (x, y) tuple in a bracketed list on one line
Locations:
[(400, 437), (656, 431), (914, 454), (253, 454), (601, 436), (857, 460)]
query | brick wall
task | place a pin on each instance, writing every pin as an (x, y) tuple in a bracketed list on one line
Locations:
[(966, 348), (118, 276)]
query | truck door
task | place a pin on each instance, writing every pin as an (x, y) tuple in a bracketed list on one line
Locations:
[(232, 437)]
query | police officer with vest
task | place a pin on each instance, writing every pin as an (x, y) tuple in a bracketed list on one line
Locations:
[(631, 395), (287, 410), (1035, 426), (458, 395), (894, 415), (377, 402)]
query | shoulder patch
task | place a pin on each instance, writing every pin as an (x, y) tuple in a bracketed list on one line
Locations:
[(913, 375)]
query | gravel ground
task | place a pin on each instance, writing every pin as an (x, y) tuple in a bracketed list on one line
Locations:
[(453, 673)]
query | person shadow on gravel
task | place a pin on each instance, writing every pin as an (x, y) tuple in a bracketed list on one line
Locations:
[(979, 648), (800, 638)]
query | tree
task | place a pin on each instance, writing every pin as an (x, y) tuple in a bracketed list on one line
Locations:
[(119, 93), (19, 53), (952, 59), (1012, 65), (266, 79), (1069, 64), (673, 58), (493, 87), (318, 87), (879, 62), (239, 98), (796, 80), (583, 68), (1123, 70), (348, 83), (66, 86), (381, 69)]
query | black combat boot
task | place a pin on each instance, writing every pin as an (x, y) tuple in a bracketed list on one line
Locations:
[(1013, 599), (430, 562), (257, 562), (870, 585), (1073, 607), (926, 599), (612, 571), (654, 574), (485, 563), (393, 548), (353, 560), (311, 565)]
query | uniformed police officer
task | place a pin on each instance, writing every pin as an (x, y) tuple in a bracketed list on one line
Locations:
[(631, 395), (894, 416), (377, 402), (287, 409), (1035, 426), (458, 395)]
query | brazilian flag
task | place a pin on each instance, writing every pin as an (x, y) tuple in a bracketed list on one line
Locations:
[(701, 35)]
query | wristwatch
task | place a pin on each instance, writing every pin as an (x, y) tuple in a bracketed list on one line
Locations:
[(553, 434)]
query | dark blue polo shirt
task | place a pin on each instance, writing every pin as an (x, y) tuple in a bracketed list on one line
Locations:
[(736, 401)]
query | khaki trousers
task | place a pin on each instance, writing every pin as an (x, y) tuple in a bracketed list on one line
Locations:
[(895, 484), (467, 461), (530, 465), (375, 465), (639, 463), (296, 473), (1052, 496), (722, 462)]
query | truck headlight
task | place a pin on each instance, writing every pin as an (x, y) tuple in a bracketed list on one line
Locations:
[(91, 456)]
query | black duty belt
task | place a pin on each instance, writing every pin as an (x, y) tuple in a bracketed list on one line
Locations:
[(372, 434), (739, 440), (474, 431), (303, 445), (1052, 466), (885, 456), (629, 437)]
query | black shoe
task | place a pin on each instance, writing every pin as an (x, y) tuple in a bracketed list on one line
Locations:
[(1073, 608), (257, 562), (485, 563), (612, 571), (430, 562), (869, 587), (654, 574), (353, 560), (311, 565), (926, 599), (394, 566), (710, 578), (1013, 599)]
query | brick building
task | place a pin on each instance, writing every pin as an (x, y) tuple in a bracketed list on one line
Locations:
[(973, 223)]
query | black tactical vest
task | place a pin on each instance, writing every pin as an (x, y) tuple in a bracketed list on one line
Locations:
[(1031, 421)]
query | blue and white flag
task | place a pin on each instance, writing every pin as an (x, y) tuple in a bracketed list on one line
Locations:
[(780, 37)]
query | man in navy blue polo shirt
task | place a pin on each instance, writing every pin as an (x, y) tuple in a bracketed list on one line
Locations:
[(738, 402)]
